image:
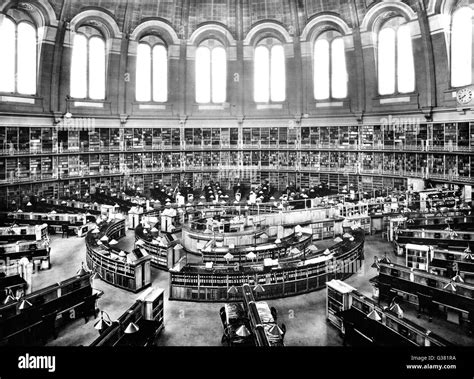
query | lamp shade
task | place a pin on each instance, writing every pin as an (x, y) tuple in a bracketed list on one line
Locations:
[(228, 256), (104, 238), (450, 286), (374, 315), (397, 309), (275, 331), (232, 290), (457, 278), (24, 305), (131, 328), (113, 242), (243, 331), (251, 255), (376, 263), (9, 299), (258, 288), (102, 324)]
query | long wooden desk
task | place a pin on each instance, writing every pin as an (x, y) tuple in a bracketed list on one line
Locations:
[(415, 282), (50, 308), (131, 272)]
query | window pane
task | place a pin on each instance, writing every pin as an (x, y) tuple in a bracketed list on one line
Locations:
[(203, 75), (160, 73), (261, 80), (143, 73), (96, 68), (405, 64), (7, 48), (461, 48), (386, 61), (339, 70), (278, 78), (79, 67), (26, 59), (321, 69), (219, 75)]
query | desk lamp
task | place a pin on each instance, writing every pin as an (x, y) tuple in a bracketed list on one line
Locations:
[(450, 286), (25, 304), (243, 331), (10, 298), (275, 331), (376, 263), (103, 324), (397, 309), (457, 278), (374, 315), (82, 270), (131, 328), (258, 288)]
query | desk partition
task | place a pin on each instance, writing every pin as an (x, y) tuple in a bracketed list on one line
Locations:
[(131, 272), (289, 278)]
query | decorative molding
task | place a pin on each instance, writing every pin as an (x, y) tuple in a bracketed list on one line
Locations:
[(211, 28), (267, 25), (90, 15), (383, 7), (325, 19), (155, 24)]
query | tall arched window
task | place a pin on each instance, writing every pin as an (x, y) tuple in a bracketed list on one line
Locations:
[(152, 70), (211, 72), (461, 47), (269, 72), (396, 70), (18, 60), (88, 64), (329, 68)]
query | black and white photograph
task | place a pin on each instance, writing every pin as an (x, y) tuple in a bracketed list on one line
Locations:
[(284, 182)]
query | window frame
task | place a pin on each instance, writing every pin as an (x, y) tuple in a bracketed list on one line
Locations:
[(269, 47), (16, 24), (451, 46), (152, 45), (396, 29), (205, 45), (335, 34), (88, 38)]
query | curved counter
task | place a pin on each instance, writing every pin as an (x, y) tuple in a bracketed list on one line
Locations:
[(291, 277), (130, 272)]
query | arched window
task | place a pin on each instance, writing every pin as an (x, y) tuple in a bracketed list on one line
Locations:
[(152, 70), (211, 72), (461, 47), (330, 72), (18, 60), (88, 65), (396, 70), (269, 72)]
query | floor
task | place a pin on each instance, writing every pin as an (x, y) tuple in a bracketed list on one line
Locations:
[(198, 324)]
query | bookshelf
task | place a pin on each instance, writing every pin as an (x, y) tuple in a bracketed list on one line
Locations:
[(418, 256)]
